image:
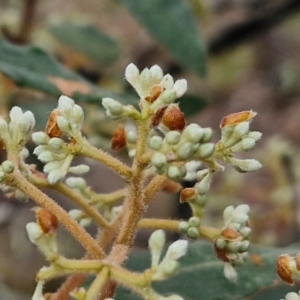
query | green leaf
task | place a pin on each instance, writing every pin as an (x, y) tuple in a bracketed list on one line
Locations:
[(201, 275), (31, 67), (173, 24), (191, 104), (87, 39)]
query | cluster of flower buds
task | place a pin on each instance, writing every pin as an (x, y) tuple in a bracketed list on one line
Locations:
[(288, 268), (232, 244), (43, 233), (168, 265), (15, 134), (236, 137), (193, 143), (57, 157), (292, 296), (190, 228), (155, 89)]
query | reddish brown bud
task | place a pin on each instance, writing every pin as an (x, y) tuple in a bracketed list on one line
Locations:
[(46, 220), (118, 140), (188, 194), (154, 93), (236, 118), (231, 234), (283, 268), (173, 118), (51, 127), (172, 186), (156, 119)]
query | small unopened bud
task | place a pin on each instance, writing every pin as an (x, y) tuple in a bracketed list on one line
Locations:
[(76, 183), (192, 233), (65, 104), (79, 170), (174, 172), (185, 150), (230, 273), (167, 81), (207, 135), (2, 176), (47, 221), (183, 226), (56, 143), (168, 96), (156, 243), (194, 222), (34, 232), (188, 194), (40, 138), (55, 176), (173, 137), (132, 74), (245, 165), (63, 125), (204, 185), (193, 132), (113, 107), (176, 250), (118, 140), (159, 160), (206, 150), (156, 142), (7, 166), (180, 87), (78, 114), (173, 118)]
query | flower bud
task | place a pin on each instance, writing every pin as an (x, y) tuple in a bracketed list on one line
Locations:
[(76, 183), (220, 243), (2, 176), (118, 140), (185, 150), (75, 214), (46, 157), (180, 87), (173, 118), (245, 165), (168, 96), (256, 135), (52, 165), (79, 170), (46, 220), (156, 142), (174, 173), (157, 73), (176, 250), (188, 194), (167, 81), (192, 233), (131, 136), (55, 176), (40, 138), (204, 185), (113, 107), (34, 232), (231, 234), (206, 150), (156, 243), (233, 247), (132, 74), (7, 166), (63, 125), (207, 135), (245, 232), (194, 221), (237, 118), (183, 226), (78, 114), (193, 133), (173, 137), (65, 104), (159, 160)]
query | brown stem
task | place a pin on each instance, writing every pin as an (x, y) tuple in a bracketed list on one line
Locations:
[(26, 23), (153, 187)]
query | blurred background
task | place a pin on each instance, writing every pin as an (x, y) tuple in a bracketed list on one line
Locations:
[(235, 54)]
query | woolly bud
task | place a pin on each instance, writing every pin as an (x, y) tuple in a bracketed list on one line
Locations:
[(168, 96), (207, 135), (156, 243), (245, 165), (56, 143), (157, 73), (40, 138), (192, 233), (65, 104), (167, 81), (132, 73), (159, 160), (113, 107), (173, 137), (176, 250), (7, 166), (206, 150), (78, 114), (180, 87), (185, 150), (76, 183), (55, 176), (79, 170), (155, 142), (193, 132)]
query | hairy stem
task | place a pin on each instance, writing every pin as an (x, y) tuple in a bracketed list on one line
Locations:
[(82, 236), (98, 283), (106, 159)]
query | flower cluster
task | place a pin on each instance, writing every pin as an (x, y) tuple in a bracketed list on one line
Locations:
[(15, 134), (66, 120), (190, 228), (232, 244)]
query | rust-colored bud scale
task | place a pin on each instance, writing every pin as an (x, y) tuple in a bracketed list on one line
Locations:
[(118, 140), (173, 118), (283, 268), (52, 129), (47, 221)]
